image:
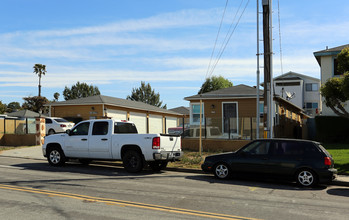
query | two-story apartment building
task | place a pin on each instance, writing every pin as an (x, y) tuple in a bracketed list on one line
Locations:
[(327, 60), (301, 90)]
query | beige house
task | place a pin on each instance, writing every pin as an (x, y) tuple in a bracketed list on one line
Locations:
[(148, 118), (327, 60), (231, 113)]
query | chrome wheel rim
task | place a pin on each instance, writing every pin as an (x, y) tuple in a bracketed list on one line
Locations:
[(55, 156), (305, 178), (222, 171)]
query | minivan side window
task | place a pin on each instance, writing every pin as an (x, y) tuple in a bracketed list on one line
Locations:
[(81, 129), (100, 128)]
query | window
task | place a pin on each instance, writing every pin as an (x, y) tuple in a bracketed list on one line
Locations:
[(81, 129), (311, 87), (100, 128), (258, 148), (335, 68), (60, 120), (288, 84), (48, 121), (311, 105), (124, 128), (195, 113)]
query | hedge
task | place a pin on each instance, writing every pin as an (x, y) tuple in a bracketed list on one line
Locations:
[(332, 129)]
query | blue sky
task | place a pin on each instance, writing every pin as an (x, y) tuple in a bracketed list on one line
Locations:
[(114, 44)]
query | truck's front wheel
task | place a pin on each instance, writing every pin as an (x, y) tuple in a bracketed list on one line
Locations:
[(133, 161), (55, 156)]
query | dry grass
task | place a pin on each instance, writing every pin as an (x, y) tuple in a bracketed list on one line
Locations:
[(191, 160)]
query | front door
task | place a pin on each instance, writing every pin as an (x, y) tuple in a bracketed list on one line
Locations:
[(230, 119), (77, 143), (253, 159)]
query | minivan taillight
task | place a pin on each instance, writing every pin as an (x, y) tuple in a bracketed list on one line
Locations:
[(156, 143), (328, 161)]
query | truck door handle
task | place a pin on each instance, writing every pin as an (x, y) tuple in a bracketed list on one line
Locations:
[(84, 139), (104, 139)]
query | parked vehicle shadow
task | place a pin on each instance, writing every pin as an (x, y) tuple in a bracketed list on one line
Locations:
[(99, 168), (256, 182), (339, 192)]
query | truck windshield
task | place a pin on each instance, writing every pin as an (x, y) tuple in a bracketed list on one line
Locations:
[(124, 128)]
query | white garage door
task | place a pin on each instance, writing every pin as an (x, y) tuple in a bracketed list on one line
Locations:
[(140, 121), (155, 124), (170, 123), (120, 115)]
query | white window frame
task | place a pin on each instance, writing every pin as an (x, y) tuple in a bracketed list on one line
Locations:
[(191, 113)]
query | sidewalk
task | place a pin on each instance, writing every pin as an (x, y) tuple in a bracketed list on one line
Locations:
[(36, 153)]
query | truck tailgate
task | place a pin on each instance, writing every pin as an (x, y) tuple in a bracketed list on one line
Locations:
[(170, 142)]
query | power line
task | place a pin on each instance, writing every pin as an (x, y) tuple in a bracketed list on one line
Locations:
[(215, 43), (224, 45)]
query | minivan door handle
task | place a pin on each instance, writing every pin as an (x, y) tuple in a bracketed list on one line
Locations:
[(104, 139), (84, 139)]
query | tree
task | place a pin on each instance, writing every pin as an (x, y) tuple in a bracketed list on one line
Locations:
[(336, 90), (80, 90), (13, 106), (215, 83), (2, 108), (343, 60), (39, 69), (145, 94), (56, 96), (35, 103)]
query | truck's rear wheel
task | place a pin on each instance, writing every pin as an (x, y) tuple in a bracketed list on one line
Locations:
[(133, 161), (55, 156), (158, 165)]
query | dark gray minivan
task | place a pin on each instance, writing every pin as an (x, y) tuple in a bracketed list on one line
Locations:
[(306, 162)]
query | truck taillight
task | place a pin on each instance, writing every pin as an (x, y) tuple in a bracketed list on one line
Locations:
[(63, 125), (328, 161), (156, 143)]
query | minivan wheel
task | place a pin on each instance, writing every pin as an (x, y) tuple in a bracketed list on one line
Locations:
[(307, 178), (222, 171)]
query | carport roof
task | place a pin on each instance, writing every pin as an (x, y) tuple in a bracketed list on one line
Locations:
[(107, 100)]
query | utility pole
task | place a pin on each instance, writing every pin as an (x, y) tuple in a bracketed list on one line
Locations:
[(268, 69), (258, 74)]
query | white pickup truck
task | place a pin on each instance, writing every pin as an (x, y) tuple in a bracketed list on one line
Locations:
[(108, 139)]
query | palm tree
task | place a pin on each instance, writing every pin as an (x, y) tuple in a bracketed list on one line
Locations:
[(39, 69)]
